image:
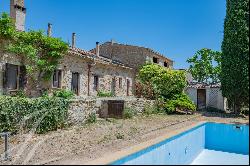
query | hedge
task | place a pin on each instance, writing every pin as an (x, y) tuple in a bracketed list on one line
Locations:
[(39, 114)]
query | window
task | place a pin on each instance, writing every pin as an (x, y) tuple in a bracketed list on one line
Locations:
[(165, 64), (155, 60), (128, 87), (75, 83), (96, 83), (120, 82), (57, 77), (15, 77)]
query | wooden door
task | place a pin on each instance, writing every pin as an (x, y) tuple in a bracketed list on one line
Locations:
[(201, 98), (115, 108)]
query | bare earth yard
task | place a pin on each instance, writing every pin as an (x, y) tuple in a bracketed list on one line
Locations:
[(91, 141)]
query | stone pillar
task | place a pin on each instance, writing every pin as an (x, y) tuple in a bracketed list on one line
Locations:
[(73, 40), (49, 31), (97, 49)]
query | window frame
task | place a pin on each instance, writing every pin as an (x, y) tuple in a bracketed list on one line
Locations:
[(78, 83), (58, 73), (7, 70)]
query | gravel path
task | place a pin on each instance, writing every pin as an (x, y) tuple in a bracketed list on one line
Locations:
[(91, 141)]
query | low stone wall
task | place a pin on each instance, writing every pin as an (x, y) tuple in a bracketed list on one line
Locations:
[(80, 109)]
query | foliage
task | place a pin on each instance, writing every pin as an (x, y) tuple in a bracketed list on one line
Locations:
[(42, 114), (165, 82), (181, 102), (105, 94), (150, 109), (41, 54), (66, 94), (128, 113), (202, 66), (235, 54), (144, 90), (92, 118), (119, 135), (168, 86)]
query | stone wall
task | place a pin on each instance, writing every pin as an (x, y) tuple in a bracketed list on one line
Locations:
[(132, 56), (80, 109)]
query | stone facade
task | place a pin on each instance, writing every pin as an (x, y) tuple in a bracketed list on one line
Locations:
[(132, 56), (87, 66)]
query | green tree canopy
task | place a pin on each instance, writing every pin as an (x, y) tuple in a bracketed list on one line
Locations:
[(205, 66)]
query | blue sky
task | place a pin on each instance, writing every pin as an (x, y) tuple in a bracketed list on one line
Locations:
[(175, 28)]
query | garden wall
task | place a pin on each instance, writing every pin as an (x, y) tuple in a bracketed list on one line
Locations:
[(80, 109)]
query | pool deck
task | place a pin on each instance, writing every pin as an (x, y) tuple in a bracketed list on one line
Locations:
[(109, 158), (211, 157)]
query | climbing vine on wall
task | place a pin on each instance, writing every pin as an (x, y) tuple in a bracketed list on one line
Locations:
[(40, 53)]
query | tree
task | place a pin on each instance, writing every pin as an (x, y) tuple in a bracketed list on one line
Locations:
[(205, 66), (235, 54)]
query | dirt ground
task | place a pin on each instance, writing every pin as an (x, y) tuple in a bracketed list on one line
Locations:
[(92, 141)]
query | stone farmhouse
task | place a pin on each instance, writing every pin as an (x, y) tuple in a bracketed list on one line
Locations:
[(110, 67), (132, 56)]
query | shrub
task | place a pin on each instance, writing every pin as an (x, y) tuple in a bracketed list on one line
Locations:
[(104, 94), (92, 118), (150, 109), (128, 113), (181, 102), (42, 114), (66, 94)]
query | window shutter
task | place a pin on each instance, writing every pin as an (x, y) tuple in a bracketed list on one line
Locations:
[(22, 77), (5, 76), (59, 78)]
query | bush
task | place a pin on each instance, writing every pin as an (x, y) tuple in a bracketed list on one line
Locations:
[(42, 114), (92, 118), (128, 113), (181, 102), (66, 94), (105, 94)]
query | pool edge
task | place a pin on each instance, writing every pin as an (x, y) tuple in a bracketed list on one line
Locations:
[(112, 157)]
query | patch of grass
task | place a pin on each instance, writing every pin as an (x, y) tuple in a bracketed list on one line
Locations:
[(150, 109), (92, 118), (128, 113), (105, 94)]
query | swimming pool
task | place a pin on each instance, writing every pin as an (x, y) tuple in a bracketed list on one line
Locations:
[(208, 144)]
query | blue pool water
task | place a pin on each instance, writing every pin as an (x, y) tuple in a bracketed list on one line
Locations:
[(209, 143)]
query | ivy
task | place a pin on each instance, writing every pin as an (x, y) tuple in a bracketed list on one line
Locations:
[(235, 54), (39, 52)]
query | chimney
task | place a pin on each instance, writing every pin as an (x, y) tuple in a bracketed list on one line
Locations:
[(73, 40), (97, 49), (18, 13), (49, 32)]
